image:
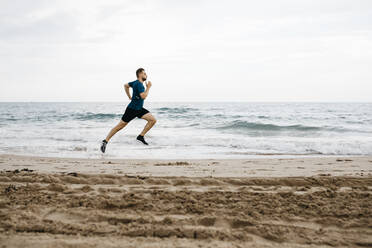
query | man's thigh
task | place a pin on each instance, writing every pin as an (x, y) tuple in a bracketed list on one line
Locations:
[(148, 117), (121, 124)]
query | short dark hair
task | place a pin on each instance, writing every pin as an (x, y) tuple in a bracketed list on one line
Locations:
[(139, 71)]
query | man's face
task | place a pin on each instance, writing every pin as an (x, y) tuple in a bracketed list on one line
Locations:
[(143, 76)]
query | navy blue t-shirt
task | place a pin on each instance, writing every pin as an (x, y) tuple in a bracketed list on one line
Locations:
[(137, 101)]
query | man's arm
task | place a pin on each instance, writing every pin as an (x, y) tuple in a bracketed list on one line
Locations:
[(126, 87), (146, 92)]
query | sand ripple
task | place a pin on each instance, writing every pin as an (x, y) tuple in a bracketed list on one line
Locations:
[(81, 210)]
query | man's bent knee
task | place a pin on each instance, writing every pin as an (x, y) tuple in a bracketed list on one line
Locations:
[(121, 125)]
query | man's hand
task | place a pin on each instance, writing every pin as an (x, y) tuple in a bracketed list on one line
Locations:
[(130, 98), (144, 94)]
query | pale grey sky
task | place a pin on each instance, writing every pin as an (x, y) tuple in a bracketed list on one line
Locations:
[(270, 50)]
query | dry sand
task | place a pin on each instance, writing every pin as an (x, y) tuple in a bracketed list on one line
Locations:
[(302, 202)]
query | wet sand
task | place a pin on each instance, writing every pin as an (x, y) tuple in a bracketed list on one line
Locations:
[(262, 167), (54, 202)]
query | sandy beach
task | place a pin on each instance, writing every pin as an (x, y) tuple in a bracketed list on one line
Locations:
[(277, 202), (185, 124)]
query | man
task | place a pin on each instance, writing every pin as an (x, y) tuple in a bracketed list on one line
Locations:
[(135, 108)]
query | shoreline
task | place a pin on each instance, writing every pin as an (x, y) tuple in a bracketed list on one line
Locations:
[(252, 167)]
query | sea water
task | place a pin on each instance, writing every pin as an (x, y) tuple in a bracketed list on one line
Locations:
[(188, 129)]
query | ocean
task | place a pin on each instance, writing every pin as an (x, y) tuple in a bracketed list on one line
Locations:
[(188, 130)]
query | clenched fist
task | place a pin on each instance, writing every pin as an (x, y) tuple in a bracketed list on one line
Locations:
[(148, 84)]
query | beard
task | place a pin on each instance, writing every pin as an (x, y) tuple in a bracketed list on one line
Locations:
[(144, 79)]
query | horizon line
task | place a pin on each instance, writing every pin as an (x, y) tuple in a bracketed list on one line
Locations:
[(188, 101)]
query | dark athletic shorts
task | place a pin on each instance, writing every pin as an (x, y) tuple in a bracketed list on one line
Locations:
[(130, 114)]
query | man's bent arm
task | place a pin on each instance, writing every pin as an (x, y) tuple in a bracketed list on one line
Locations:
[(145, 94), (126, 87)]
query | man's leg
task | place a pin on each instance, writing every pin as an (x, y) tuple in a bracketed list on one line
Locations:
[(113, 131), (150, 123), (116, 129)]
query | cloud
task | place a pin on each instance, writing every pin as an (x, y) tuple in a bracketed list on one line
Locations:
[(272, 50)]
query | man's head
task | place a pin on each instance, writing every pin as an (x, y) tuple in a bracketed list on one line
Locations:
[(141, 74)]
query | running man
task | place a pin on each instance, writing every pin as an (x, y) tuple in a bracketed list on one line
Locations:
[(135, 108)]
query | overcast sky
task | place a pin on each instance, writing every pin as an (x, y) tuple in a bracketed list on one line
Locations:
[(192, 50)]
